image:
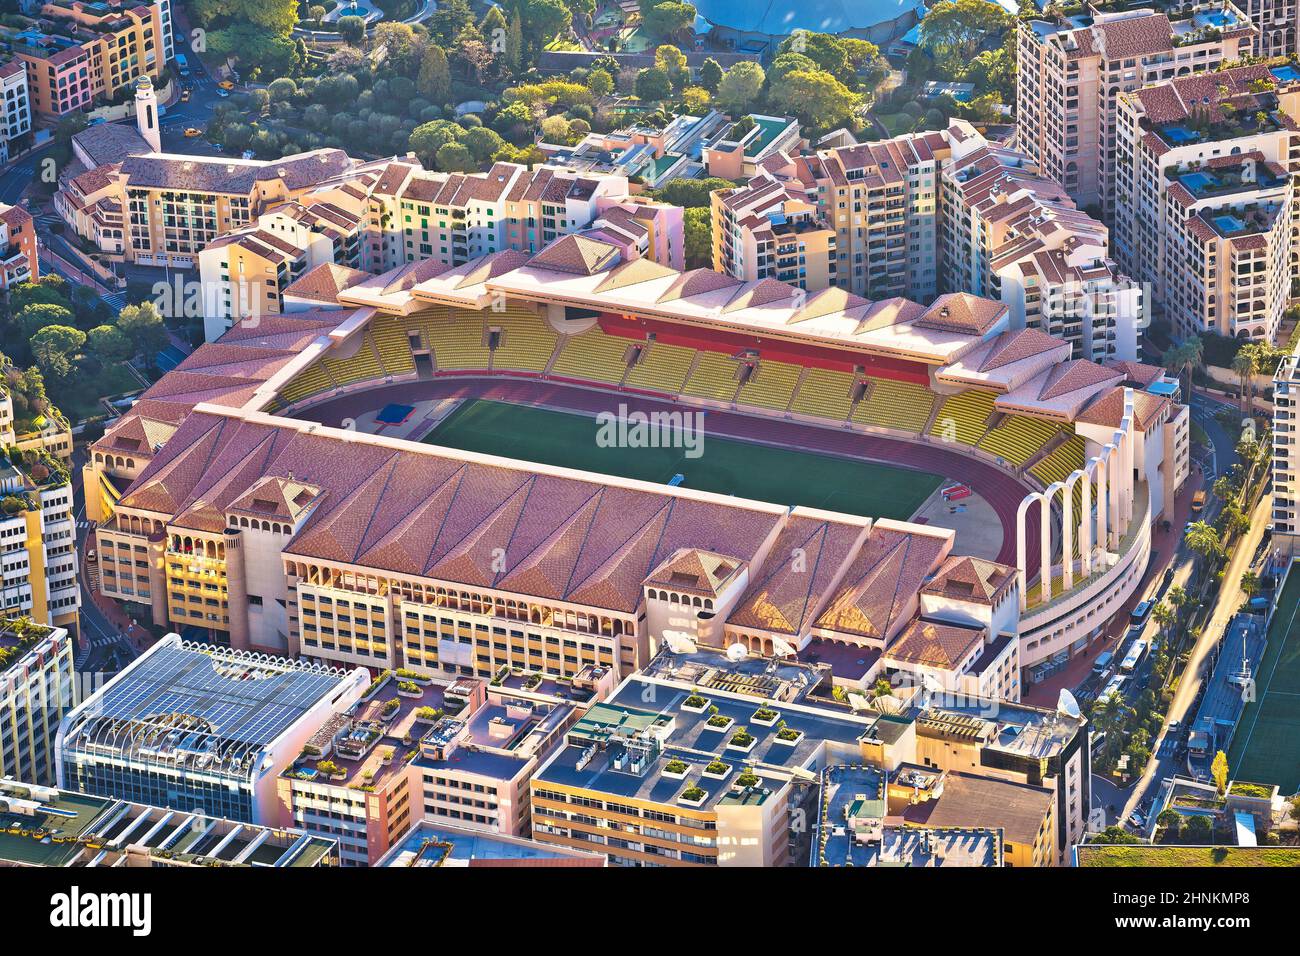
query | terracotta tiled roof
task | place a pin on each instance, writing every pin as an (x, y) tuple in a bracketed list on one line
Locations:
[(965, 578), (325, 282), (935, 644)]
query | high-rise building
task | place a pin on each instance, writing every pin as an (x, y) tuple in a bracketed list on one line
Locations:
[(38, 538), (95, 51), (927, 213), (1072, 68), (37, 688), (1205, 214), (15, 108)]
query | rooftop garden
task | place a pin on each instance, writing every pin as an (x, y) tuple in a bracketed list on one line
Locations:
[(18, 636), (1241, 788), (1092, 855), (1244, 115)]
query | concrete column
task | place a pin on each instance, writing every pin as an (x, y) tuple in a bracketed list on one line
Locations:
[(1045, 546), (1102, 508), (1115, 481), (1067, 535), (236, 590), (1022, 560), (158, 578), (1084, 523)]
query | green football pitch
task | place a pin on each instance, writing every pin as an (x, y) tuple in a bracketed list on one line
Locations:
[(1266, 745), (761, 472)]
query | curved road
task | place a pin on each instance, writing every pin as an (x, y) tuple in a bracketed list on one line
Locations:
[(1002, 491)]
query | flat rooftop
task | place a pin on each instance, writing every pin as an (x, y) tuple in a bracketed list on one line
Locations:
[(688, 739), (426, 846)]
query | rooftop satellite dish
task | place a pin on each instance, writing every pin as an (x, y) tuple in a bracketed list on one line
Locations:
[(737, 652), (931, 684), (781, 648), (679, 642), (1067, 705)]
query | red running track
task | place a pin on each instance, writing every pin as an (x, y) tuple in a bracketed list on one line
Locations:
[(1001, 490)]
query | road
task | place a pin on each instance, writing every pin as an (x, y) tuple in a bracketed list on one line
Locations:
[(1229, 600), (108, 647)]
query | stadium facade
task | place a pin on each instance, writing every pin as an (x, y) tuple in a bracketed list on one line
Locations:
[(275, 532)]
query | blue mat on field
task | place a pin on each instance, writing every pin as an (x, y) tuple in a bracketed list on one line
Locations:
[(394, 414)]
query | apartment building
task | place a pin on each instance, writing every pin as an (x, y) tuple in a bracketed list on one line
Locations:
[(420, 752), (164, 209), (701, 761), (1276, 22), (15, 109), (97, 50), (1206, 213), (19, 260), (888, 218), (244, 273), (1286, 456), (200, 728), (1011, 234), (769, 228), (1072, 68), (105, 832), (882, 199), (37, 688), (38, 539)]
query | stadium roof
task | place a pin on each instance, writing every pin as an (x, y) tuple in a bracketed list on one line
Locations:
[(781, 17)]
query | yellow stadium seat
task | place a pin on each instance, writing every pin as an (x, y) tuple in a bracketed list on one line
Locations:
[(890, 404), (456, 338), (593, 356), (770, 385), (394, 346), (1018, 438), (663, 368), (310, 381), (825, 394), (359, 367), (714, 376), (526, 341), (1065, 459), (964, 416)]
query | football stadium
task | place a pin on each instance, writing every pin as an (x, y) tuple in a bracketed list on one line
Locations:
[(556, 462)]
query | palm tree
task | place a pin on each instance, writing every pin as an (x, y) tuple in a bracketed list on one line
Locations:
[(1224, 489), (1250, 583), (1203, 539), (1246, 363), (1164, 616), (1183, 358)]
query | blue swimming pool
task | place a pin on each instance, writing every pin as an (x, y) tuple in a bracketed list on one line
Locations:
[(1180, 135), (1229, 223)]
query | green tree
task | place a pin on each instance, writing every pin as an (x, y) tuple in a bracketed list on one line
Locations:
[(1203, 539), (817, 98), (739, 87), (954, 30), (482, 143), (600, 83), (455, 158), (427, 138), (1250, 583), (143, 325), (697, 233), (652, 84), (38, 315), (515, 45), (316, 13), (54, 347), (352, 30), (711, 75), (108, 342), (666, 20), (434, 79)]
